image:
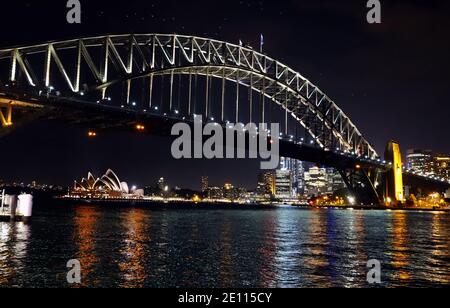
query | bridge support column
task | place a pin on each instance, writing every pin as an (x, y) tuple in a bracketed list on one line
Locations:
[(6, 118), (363, 185), (394, 191)]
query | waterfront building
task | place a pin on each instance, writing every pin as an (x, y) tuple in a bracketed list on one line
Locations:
[(297, 173), (214, 193), (107, 185), (420, 161), (323, 181), (204, 184), (229, 192), (266, 184), (260, 186), (283, 184), (441, 166), (316, 182)]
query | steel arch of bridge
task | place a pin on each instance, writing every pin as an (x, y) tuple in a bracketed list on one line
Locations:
[(147, 55)]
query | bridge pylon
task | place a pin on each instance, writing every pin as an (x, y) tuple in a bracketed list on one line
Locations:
[(394, 191), (6, 116), (362, 183)]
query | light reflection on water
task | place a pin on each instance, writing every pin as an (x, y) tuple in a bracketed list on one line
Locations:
[(13, 251), (84, 239), (220, 248)]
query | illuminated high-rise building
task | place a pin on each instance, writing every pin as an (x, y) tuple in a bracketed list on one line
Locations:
[(266, 184), (316, 182), (283, 184), (204, 183), (420, 161), (441, 166), (297, 173)]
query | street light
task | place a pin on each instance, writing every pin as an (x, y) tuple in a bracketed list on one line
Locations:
[(351, 200)]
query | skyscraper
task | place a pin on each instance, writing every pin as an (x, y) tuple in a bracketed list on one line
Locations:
[(204, 184), (441, 166), (283, 184), (297, 173), (419, 161), (316, 182), (266, 184)]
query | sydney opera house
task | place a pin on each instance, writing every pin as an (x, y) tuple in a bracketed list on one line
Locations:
[(107, 186)]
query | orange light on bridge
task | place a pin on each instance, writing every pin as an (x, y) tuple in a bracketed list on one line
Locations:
[(358, 166), (140, 127), (92, 134)]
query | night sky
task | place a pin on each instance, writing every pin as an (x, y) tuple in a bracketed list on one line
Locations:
[(391, 79)]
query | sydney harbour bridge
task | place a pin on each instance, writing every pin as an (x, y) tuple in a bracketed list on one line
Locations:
[(149, 82)]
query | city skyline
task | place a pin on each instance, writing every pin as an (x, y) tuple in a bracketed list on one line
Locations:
[(423, 162)]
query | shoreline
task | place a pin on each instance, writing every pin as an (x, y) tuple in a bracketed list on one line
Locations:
[(158, 205), (375, 208)]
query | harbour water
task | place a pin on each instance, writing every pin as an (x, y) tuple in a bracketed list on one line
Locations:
[(286, 247)]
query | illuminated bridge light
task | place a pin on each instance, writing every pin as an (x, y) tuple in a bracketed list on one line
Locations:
[(92, 134), (140, 127)]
